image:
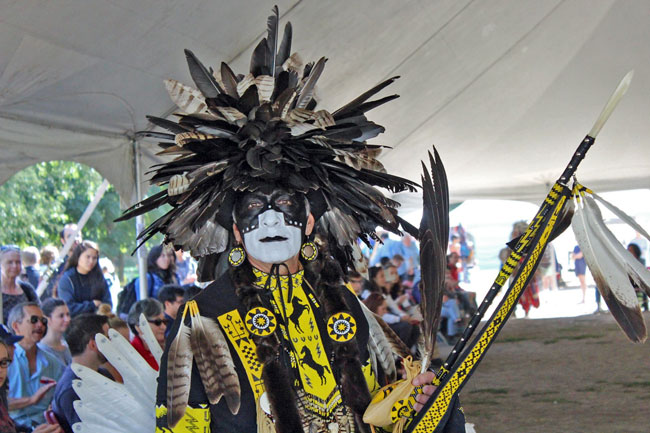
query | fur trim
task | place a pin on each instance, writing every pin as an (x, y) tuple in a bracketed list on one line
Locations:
[(281, 396)]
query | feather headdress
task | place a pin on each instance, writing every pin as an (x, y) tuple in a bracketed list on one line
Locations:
[(615, 270), (240, 133)]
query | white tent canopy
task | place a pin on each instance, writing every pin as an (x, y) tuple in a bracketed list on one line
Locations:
[(506, 89)]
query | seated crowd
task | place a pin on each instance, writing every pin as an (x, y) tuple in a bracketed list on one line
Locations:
[(392, 291), (44, 335)]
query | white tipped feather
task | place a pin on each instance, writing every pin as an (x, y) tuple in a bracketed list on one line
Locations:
[(609, 273), (635, 270), (97, 393), (622, 215), (378, 344), (91, 428), (139, 377), (149, 338), (131, 405)]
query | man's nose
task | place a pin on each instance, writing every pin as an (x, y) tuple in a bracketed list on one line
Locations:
[(271, 218)]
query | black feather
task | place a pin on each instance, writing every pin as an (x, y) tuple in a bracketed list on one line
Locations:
[(350, 106), (229, 80), (260, 59), (153, 134), (272, 38), (168, 125), (202, 77), (285, 47), (307, 91), (434, 238)]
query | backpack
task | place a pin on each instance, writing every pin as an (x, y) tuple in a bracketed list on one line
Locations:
[(127, 296)]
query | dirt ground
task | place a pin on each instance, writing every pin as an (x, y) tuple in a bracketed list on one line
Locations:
[(577, 374)]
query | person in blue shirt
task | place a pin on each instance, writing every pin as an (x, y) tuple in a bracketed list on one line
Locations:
[(411, 255), (82, 286), (387, 248), (33, 372)]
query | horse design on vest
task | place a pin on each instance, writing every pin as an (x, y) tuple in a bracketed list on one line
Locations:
[(298, 309), (311, 363)]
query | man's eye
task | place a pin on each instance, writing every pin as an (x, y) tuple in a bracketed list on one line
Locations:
[(254, 205), (284, 202)]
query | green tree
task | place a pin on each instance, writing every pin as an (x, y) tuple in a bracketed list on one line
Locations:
[(38, 201)]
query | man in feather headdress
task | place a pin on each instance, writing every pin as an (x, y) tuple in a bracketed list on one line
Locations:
[(279, 193)]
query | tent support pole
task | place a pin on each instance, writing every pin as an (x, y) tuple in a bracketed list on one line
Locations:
[(139, 222)]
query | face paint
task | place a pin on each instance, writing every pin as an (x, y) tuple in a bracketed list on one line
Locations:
[(272, 225), (250, 206)]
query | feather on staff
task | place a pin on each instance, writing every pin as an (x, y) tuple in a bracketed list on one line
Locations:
[(612, 266), (434, 238)]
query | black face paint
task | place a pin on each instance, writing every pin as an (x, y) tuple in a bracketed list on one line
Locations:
[(250, 206)]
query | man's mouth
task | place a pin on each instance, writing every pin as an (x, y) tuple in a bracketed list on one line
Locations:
[(273, 239)]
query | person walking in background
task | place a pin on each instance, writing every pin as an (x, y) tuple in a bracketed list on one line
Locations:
[(409, 268), (58, 319), (82, 286), (634, 249), (642, 243), (580, 268), (14, 290)]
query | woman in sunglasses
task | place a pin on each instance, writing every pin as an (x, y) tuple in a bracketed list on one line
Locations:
[(14, 290), (153, 311), (82, 286)]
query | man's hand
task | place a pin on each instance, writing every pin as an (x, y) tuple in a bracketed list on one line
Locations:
[(40, 393), (48, 428), (425, 379)]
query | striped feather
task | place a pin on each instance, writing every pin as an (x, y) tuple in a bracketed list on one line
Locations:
[(265, 85), (378, 344), (179, 373), (397, 345), (214, 362), (189, 100)]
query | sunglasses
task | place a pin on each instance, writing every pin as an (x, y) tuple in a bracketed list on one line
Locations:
[(34, 319), (4, 363), (157, 322)]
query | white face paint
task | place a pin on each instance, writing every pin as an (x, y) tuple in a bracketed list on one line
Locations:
[(273, 241)]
